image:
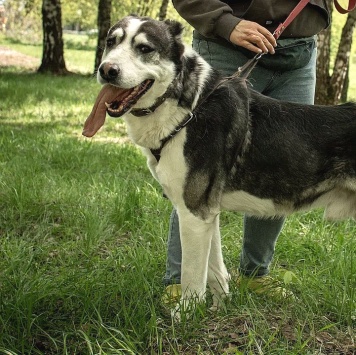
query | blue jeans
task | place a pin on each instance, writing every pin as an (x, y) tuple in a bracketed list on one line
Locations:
[(259, 235)]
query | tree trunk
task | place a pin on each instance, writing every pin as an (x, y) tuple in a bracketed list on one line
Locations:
[(342, 60), (322, 68), (330, 88), (146, 8), (53, 52), (163, 10), (104, 23), (323, 64), (345, 89)]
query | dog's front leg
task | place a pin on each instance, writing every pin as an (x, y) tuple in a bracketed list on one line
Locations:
[(196, 235), (218, 277)]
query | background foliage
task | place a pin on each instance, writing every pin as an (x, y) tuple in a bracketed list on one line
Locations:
[(25, 15)]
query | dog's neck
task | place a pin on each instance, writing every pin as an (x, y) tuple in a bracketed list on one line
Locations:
[(154, 126), (140, 112)]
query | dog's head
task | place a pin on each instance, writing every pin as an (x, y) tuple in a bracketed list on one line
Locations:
[(140, 52), (142, 56)]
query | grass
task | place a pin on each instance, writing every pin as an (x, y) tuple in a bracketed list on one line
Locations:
[(82, 247), (77, 60)]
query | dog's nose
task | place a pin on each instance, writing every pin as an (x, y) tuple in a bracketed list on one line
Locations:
[(109, 71)]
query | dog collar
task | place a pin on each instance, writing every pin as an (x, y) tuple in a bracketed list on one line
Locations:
[(141, 112)]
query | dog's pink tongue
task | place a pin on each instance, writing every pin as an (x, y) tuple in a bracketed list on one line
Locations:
[(96, 119)]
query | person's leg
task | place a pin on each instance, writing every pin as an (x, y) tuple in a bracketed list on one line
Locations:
[(260, 235), (174, 252)]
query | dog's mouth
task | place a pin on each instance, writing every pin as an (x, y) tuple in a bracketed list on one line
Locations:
[(127, 98), (114, 101)]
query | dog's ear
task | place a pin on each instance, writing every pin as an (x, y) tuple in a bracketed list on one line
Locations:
[(175, 28)]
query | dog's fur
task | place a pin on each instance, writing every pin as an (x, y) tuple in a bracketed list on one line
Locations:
[(242, 151)]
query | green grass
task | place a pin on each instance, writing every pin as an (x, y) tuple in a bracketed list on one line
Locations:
[(82, 247), (79, 53)]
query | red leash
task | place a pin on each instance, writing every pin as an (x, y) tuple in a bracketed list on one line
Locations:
[(294, 13), (352, 6), (247, 68), (300, 6)]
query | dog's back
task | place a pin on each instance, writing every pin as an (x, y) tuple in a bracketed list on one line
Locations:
[(293, 156)]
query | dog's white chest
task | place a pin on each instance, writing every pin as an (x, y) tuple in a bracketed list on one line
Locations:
[(171, 170)]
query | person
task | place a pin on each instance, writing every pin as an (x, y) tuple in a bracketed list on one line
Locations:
[(226, 34)]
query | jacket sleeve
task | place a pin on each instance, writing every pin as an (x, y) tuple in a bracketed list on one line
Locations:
[(211, 18)]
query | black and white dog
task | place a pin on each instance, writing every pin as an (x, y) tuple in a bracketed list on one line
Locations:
[(214, 144)]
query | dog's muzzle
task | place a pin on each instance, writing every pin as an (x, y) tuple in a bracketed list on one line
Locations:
[(115, 101)]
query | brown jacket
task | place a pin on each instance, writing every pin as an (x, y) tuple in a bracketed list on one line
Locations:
[(217, 19)]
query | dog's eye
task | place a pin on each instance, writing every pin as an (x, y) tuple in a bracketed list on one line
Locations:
[(110, 41), (143, 48)]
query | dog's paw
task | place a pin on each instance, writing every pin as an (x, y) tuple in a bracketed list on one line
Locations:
[(219, 291), (188, 309), (219, 301)]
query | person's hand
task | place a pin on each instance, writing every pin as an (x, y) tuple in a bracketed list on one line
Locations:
[(253, 37)]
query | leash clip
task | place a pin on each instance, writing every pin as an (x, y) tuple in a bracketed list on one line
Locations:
[(258, 56), (146, 111), (182, 125)]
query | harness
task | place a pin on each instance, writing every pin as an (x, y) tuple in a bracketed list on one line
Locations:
[(242, 72)]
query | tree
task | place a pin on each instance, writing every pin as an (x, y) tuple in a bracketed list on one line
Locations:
[(79, 15), (331, 87), (53, 52), (104, 21), (162, 14)]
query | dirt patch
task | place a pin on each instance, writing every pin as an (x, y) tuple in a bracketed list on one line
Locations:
[(12, 58)]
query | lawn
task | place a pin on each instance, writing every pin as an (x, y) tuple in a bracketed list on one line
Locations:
[(77, 59), (82, 247)]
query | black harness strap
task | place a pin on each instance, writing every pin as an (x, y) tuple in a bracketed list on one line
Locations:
[(157, 152), (140, 112)]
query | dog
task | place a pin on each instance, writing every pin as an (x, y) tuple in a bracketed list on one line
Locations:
[(214, 144)]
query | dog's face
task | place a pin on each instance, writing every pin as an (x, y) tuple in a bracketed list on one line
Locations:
[(141, 52)]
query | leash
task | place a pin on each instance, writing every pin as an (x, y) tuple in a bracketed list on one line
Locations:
[(294, 13), (351, 6), (246, 69)]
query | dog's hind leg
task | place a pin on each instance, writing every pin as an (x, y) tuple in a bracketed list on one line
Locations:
[(218, 277)]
